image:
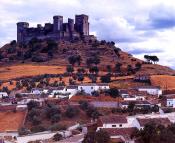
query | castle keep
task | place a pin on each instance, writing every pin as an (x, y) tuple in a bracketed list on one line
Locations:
[(56, 31)]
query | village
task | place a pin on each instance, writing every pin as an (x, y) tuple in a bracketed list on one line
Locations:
[(127, 110)]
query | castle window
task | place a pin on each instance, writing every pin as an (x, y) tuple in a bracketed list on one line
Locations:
[(113, 126), (120, 125)]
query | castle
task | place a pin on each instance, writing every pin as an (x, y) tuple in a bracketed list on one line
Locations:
[(56, 31)]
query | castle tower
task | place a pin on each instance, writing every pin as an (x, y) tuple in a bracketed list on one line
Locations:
[(71, 24), (57, 23), (21, 31), (82, 24)]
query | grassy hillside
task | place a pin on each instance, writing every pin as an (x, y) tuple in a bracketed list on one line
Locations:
[(48, 57)]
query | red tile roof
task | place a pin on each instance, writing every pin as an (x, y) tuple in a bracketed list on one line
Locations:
[(120, 131), (115, 119), (162, 121)]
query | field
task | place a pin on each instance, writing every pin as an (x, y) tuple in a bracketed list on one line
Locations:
[(166, 82), (10, 121), (23, 70)]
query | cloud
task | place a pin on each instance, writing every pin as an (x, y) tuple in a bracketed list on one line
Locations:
[(136, 26)]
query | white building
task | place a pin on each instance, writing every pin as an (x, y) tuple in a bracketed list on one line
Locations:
[(3, 94), (171, 102), (153, 90), (115, 121), (89, 88)]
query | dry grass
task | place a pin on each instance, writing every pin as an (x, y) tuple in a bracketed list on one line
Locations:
[(23, 70), (10, 121), (166, 82)]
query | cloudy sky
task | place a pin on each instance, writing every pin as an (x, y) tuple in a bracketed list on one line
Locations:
[(137, 26)]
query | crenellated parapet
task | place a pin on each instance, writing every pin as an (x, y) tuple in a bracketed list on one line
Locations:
[(56, 30)]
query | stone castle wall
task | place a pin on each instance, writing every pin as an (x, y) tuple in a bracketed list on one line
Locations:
[(56, 30)]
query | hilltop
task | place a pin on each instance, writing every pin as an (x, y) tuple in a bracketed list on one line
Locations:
[(52, 57)]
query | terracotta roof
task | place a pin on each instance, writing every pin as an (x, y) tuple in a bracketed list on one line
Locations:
[(125, 132), (162, 121), (113, 119)]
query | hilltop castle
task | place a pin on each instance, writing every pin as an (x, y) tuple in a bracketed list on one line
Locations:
[(56, 31)]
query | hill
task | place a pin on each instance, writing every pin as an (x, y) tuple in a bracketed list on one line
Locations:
[(50, 57)]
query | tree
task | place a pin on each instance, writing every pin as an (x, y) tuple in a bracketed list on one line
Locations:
[(55, 118), (93, 78), (97, 137), (70, 69), (102, 136), (92, 112), (109, 69), (138, 66), (84, 105), (52, 110), (72, 60), (118, 67), (113, 92), (131, 106), (89, 138), (94, 69), (147, 58), (36, 120), (57, 137), (81, 70), (80, 77), (154, 59), (106, 78), (154, 132), (32, 104), (71, 112)]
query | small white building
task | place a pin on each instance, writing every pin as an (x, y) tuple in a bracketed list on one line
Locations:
[(171, 102), (114, 121), (89, 88), (153, 90), (58, 90), (3, 94), (37, 91)]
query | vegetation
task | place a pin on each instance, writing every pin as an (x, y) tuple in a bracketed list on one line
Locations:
[(153, 132), (97, 137), (153, 59)]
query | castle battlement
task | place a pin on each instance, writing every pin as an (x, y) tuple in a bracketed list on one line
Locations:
[(56, 30)]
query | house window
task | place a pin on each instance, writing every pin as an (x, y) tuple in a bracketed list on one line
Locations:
[(113, 125), (120, 125)]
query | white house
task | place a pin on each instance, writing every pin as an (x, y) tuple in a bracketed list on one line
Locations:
[(118, 127), (171, 102), (58, 90), (143, 121), (3, 94), (36, 91), (71, 90), (89, 88), (153, 90), (114, 121)]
